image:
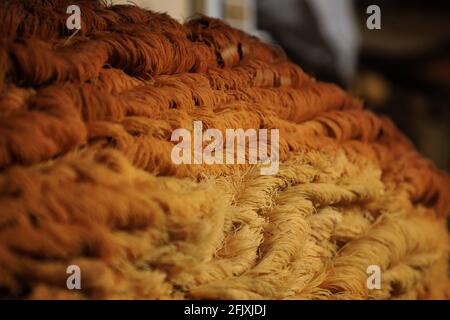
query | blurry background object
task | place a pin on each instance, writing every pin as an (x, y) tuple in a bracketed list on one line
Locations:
[(241, 14), (405, 71), (178, 9), (319, 35)]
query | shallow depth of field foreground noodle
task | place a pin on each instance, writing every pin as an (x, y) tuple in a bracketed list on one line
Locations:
[(86, 176)]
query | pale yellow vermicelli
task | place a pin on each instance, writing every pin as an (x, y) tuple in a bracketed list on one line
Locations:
[(309, 232)]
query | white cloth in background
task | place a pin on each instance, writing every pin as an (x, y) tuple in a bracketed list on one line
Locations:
[(338, 26)]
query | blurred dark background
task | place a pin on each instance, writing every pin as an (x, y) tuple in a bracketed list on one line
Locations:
[(402, 70)]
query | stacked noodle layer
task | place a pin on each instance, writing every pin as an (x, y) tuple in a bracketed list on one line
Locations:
[(87, 178)]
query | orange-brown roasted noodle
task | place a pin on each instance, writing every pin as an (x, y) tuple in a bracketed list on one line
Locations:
[(86, 176)]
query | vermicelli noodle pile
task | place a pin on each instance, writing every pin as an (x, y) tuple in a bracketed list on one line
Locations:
[(87, 179)]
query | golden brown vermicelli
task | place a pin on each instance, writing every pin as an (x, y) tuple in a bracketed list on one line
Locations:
[(87, 177)]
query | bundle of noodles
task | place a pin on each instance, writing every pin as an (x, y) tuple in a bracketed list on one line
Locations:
[(87, 179)]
